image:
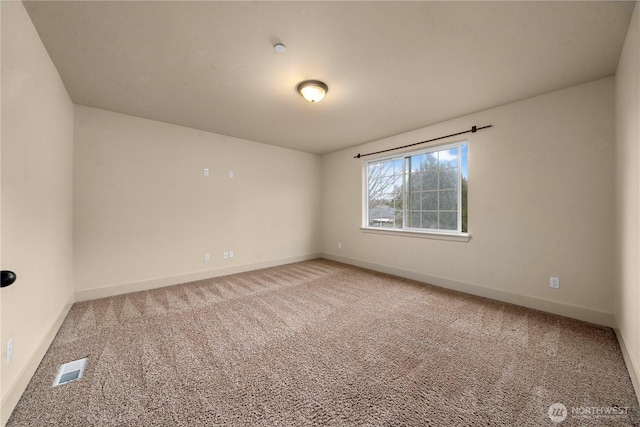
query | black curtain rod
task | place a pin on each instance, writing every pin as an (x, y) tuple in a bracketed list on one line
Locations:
[(473, 129)]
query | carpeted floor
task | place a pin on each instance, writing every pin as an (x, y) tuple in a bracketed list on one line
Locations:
[(320, 343)]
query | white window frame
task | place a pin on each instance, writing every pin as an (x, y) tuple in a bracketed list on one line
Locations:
[(456, 235)]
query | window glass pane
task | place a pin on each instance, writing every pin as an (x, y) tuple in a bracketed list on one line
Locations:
[(430, 180), (415, 202), (398, 200), (464, 160), (448, 220), (399, 219), (380, 215), (430, 220), (413, 163), (386, 199), (430, 201), (463, 205), (385, 187), (448, 158), (374, 209), (414, 180), (429, 161), (448, 178), (448, 200), (414, 219), (396, 166)]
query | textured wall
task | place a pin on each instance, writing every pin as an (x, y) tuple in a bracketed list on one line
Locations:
[(37, 200), (628, 194), (541, 204), (145, 214)]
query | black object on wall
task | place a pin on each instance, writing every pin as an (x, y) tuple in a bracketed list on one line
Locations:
[(7, 278)]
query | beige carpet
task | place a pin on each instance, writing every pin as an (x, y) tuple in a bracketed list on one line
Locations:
[(320, 343)]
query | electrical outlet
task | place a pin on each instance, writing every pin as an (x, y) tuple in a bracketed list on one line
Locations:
[(9, 350), (225, 255), (339, 245), (230, 254), (207, 258), (554, 282), (205, 172), (231, 174)]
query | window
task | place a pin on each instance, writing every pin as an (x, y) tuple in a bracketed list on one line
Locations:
[(419, 191)]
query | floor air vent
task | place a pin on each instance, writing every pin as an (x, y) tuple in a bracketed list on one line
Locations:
[(70, 371)]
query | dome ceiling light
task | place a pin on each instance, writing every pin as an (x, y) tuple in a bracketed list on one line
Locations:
[(313, 90)]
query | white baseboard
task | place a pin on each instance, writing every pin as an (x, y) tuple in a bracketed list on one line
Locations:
[(11, 398), (575, 312), (109, 291), (628, 360)]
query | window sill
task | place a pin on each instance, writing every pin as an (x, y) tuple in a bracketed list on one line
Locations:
[(452, 237)]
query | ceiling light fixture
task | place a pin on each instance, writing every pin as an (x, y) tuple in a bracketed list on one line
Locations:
[(280, 48), (313, 90)]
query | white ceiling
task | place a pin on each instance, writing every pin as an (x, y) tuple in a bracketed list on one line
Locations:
[(391, 66)]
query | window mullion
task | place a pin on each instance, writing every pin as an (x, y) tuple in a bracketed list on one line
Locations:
[(459, 190), (406, 182), (438, 175)]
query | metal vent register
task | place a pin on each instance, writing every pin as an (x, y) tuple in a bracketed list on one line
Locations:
[(70, 371)]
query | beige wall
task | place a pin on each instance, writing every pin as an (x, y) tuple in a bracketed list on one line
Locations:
[(541, 204), (627, 107), (37, 150), (145, 214)]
